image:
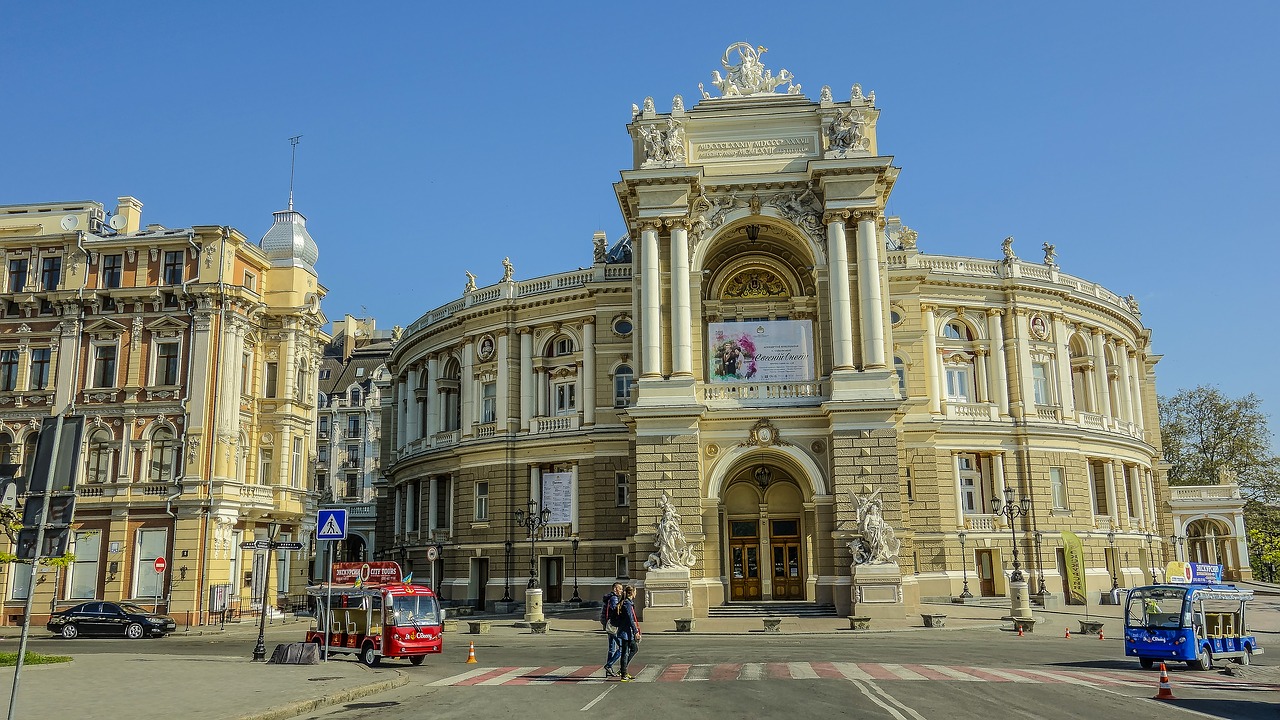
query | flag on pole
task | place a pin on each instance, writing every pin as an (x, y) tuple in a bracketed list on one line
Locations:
[(408, 579), (359, 581)]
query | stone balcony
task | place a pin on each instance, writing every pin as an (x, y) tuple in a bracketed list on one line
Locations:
[(764, 394)]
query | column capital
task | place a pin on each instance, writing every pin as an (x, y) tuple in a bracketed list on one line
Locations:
[(524, 330), (588, 321), (653, 224), (927, 307), (502, 332), (865, 215), (678, 223), (834, 216), (995, 312), (1096, 331)]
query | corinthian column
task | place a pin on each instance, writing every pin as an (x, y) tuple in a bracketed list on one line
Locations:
[(650, 307), (838, 275), (589, 371), (999, 375), (870, 296), (1101, 382), (526, 377), (933, 388), (681, 324)]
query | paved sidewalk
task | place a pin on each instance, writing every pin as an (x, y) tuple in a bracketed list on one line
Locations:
[(163, 687)]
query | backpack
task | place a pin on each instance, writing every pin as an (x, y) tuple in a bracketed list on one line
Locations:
[(609, 613)]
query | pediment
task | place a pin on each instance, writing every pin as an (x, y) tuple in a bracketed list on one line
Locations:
[(105, 327)]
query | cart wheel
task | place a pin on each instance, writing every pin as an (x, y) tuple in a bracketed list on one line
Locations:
[(417, 659), (1147, 663), (1244, 659), (368, 655), (1204, 660)]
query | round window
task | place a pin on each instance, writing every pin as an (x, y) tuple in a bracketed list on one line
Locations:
[(895, 316), (622, 326)]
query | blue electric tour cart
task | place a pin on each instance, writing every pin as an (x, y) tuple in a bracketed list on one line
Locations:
[(1196, 623)]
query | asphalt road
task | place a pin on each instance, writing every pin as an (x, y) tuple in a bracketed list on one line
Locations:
[(757, 675)]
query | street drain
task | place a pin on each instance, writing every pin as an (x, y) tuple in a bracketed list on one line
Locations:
[(335, 677), (370, 705)]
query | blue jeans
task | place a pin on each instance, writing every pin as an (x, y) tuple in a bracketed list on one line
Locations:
[(615, 651), (629, 648)]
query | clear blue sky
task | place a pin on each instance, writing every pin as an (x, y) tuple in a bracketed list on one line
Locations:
[(1141, 138)]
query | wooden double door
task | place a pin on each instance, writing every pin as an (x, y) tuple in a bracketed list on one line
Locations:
[(748, 561)]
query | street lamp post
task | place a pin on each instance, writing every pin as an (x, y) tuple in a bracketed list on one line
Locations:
[(533, 521), (1020, 602), (575, 598), (1041, 591), (506, 585), (1151, 557), (1111, 540), (964, 567), (260, 649), (1176, 541)]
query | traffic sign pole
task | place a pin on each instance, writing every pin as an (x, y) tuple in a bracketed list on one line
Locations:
[(328, 601)]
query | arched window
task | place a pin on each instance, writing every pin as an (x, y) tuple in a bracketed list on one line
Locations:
[(560, 345), (1081, 375), (956, 330), (900, 368), (101, 449), (623, 377), (355, 396), (163, 467), (29, 453), (6, 448)]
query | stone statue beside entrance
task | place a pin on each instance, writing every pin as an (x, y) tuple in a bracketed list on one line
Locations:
[(673, 550), (875, 543)]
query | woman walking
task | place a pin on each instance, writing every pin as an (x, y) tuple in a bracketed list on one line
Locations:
[(628, 629)]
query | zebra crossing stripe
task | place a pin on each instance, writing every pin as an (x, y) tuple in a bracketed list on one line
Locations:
[(729, 671), (647, 673), (1011, 677), (902, 672), (698, 673), (925, 672), (1103, 678), (777, 671), (802, 671), (510, 675), (953, 673), (673, 673), (459, 679), (1046, 677), (751, 671), (851, 671)]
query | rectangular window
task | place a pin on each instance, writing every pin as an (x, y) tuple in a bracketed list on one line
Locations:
[(173, 269), (970, 485), (489, 403), (353, 426), (39, 379), (482, 501), (1058, 485), (8, 369), (166, 363), (151, 545), (1040, 381), (21, 587), (622, 485), (269, 381), (50, 273), (353, 485), (83, 582), (295, 471), (566, 398), (104, 366), (17, 275), (958, 382), (620, 567), (264, 467), (622, 380), (282, 566), (353, 456), (250, 281), (112, 268)]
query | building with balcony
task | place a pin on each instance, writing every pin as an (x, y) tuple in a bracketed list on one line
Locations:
[(771, 351), (192, 354), (353, 377)]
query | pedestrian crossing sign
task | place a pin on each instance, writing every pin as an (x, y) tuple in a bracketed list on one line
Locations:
[(332, 524)]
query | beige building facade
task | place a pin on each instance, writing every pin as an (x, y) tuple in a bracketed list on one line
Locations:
[(192, 354), (781, 360)]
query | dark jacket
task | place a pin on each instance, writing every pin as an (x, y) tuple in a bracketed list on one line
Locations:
[(628, 626), (610, 608)]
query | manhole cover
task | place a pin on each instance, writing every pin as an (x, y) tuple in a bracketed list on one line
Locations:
[(335, 677)]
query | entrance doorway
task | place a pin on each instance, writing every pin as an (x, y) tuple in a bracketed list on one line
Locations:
[(744, 560), (552, 578), (477, 582), (986, 574), (788, 571)]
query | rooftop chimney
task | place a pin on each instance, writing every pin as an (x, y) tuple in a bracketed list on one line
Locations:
[(130, 209)]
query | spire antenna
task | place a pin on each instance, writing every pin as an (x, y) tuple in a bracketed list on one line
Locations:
[(293, 157)]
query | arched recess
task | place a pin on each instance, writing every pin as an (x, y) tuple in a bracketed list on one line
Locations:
[(798, 464), (770, 221)]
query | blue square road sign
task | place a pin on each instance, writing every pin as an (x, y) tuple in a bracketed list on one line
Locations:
[(331, 524)]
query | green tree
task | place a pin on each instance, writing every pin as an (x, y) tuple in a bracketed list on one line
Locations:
[(1262, 524), (1207, 435)]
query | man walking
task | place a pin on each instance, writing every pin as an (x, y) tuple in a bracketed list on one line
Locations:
[(608, 623)]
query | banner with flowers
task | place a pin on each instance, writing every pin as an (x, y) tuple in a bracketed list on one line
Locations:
[(764, 351)]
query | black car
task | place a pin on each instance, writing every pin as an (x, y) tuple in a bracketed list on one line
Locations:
[(108, 618)]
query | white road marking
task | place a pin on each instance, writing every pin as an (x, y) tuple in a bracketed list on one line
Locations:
[(802, 671), (510, 675), (851, 671), (599, 697), (459, 678)]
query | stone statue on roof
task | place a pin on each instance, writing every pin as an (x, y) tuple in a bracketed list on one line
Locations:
[(748, 76)]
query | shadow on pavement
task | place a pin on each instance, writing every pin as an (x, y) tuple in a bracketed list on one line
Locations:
[(1102, 664), (1235, 709)]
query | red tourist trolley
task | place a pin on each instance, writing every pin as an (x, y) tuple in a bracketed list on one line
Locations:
[(370, 610)]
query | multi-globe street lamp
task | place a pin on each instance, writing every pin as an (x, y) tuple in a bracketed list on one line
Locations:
[(1010, 511), (576, 598), (964, 566), (1111, 540), (506, 584), (533, 521)]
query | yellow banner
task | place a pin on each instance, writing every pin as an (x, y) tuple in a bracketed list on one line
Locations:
[(1073, 550)]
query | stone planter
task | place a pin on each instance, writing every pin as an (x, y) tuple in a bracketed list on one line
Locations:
[(934, 620), (461, 610), (771, 624), (859, 622), (478, 627), (451, 626), (1022, 624), (684, 625), (505, 608), (538, 627), (1090, 627)]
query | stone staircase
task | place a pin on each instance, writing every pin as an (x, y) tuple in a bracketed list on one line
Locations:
[(776, 608)]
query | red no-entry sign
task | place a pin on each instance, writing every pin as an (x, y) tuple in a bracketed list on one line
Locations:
[(160, 565)]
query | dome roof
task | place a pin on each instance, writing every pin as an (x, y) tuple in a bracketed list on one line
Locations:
[(288, 244)]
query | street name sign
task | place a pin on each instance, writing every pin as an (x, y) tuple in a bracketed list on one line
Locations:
[(289, 545)]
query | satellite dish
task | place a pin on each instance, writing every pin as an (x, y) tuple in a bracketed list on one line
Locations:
[(70, 222), (117, 222)]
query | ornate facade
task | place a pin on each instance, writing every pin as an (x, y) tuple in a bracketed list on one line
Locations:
[(766, 352), (192, 352)]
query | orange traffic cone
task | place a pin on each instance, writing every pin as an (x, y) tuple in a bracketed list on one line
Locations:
[(471, 653), (1100, 634), (1067, 635), (1019, 630), (1166, 690)]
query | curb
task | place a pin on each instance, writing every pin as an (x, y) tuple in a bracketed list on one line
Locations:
[(810, 633), (281, 712)]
